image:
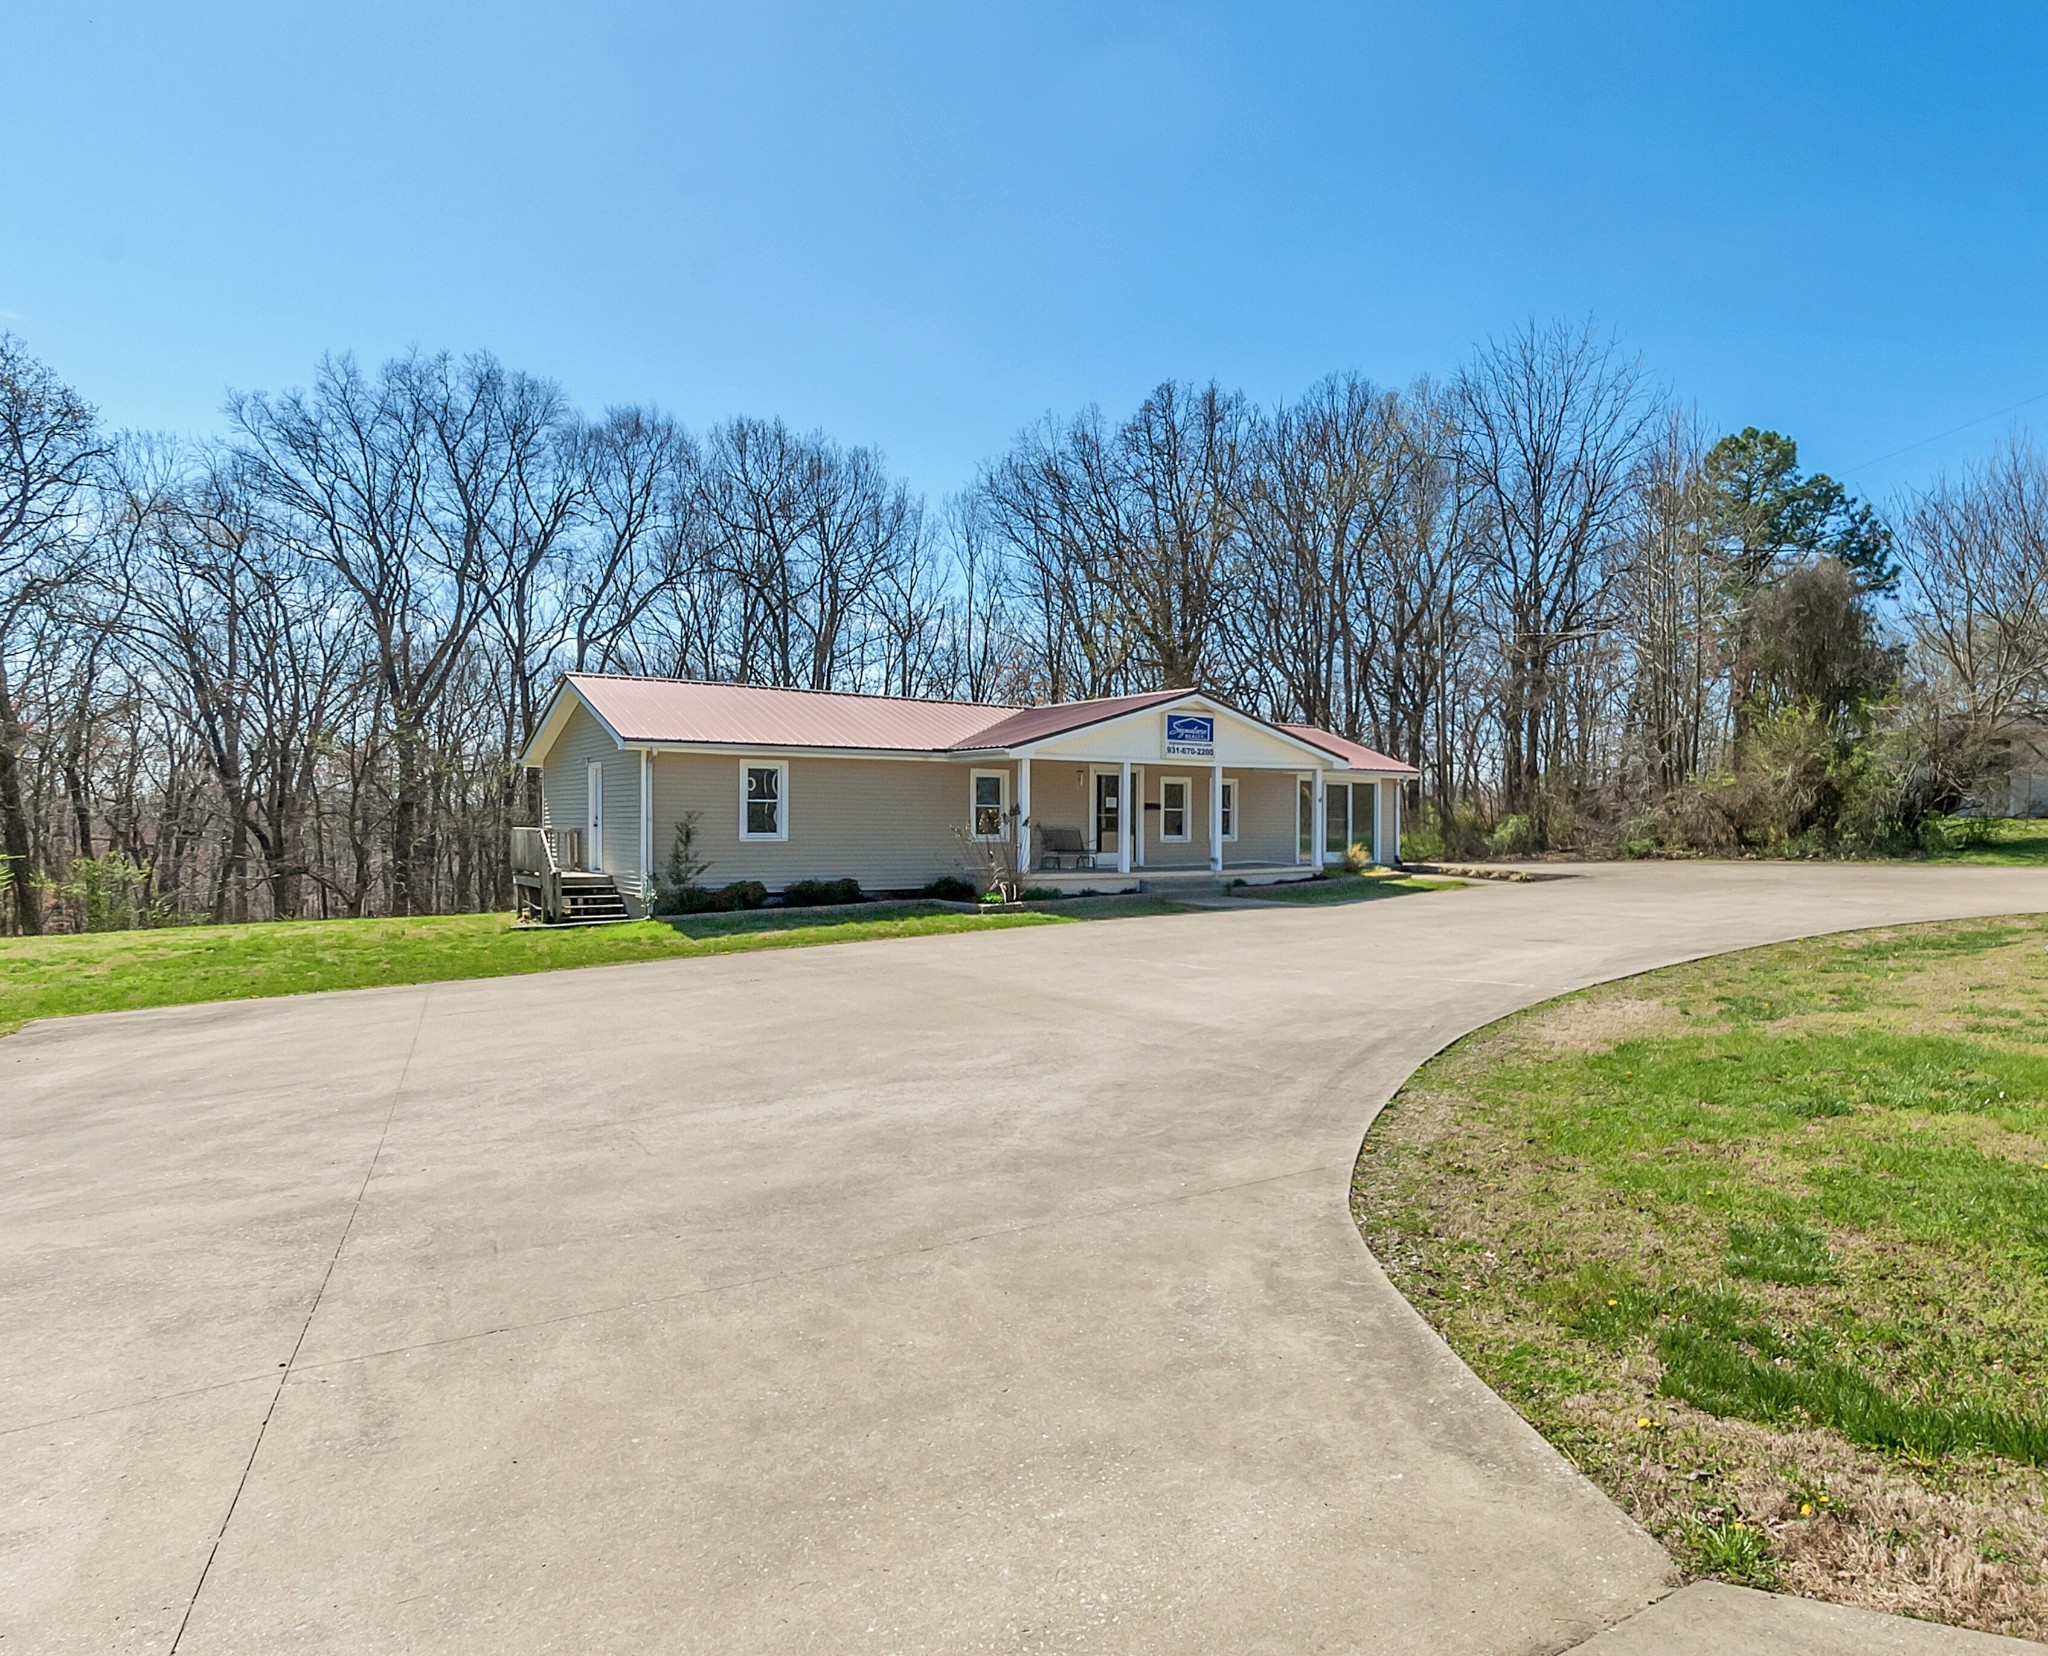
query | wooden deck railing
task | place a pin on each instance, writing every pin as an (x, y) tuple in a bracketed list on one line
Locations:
[(536, 876)]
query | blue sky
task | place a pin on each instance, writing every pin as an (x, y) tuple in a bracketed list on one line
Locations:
[(922, 226)]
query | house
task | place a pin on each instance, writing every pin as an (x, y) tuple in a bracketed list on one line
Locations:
[(1169, 787), (2026, 783)]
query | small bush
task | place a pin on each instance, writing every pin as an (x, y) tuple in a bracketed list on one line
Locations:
[(1512, 836), (743, 894), (950, 888), (679, 886), (1043, 894), (694, 899), (822, 893), (1435, 832)]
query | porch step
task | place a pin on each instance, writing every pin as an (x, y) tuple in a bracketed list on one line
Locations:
[(589, 899)]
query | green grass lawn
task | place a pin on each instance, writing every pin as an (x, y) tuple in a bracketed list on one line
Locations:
[(1335, 887), (2008, 842), (52, 977), (1762, 1244)]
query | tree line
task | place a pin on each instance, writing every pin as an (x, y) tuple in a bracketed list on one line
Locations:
[(288, 672)]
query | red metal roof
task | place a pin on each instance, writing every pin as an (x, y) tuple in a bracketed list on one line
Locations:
[(662, 711), (1034, 724), (1354, 754), (687, 710)]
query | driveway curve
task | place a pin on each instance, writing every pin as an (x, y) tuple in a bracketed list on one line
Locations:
[(977, 1293)]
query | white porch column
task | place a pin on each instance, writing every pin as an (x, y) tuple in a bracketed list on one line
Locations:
[(1123, 818), (1318, 820), (1023, 817), (1379, 822), (1394, 797), (1137, 816), (1216, 819)]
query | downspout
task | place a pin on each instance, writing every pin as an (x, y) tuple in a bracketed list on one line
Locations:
[(647, 831)]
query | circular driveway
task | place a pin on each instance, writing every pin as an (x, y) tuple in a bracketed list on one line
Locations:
[(976, 1293)]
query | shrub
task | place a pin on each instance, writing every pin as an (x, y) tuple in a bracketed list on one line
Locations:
[(1512, 836), (1435, 832), (109, 893), (950, 888), (695, 899), (821, 893), (679, 887)]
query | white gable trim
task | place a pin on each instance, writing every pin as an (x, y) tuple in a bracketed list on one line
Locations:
[(1194, 701), (556, 719)]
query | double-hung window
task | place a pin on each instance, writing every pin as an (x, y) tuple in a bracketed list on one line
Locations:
[(1173, 808), (764, 799), (1230, 811), (988, 803)]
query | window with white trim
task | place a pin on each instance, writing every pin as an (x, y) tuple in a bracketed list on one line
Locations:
[(1230, 810), (1173, 808), (988, 803), (764, 799)]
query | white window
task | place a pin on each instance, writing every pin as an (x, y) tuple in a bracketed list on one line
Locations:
[(764, 799), (1230, 810), (1173, 808), (988, 803)]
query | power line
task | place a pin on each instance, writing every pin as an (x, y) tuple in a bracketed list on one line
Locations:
[(1965, 426)]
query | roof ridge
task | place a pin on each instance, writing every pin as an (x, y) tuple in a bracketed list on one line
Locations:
[(802, 690)]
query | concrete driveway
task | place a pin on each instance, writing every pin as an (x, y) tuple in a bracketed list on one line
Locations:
[(976, 1293)]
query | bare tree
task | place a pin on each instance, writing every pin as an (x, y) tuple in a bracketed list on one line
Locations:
[(389, 483), (50, 444), (1976, 562), (1552, 422)]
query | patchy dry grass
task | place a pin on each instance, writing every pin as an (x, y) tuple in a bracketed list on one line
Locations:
[(1762, 1244)]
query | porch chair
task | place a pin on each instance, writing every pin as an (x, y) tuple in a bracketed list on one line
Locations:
[(1055, 845)]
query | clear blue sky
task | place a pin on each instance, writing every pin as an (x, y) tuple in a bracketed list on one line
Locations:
[(922, 226)]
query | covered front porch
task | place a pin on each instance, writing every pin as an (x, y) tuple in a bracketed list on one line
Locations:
[(1109, 824)]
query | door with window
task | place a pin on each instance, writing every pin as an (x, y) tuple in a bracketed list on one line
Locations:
[(593, 833), (1336, 819), (1108, 812)]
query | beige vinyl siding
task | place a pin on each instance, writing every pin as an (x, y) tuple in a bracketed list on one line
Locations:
[(1059, 799), (565, 798), (1192, 852), (1267, 830), (890, 824)]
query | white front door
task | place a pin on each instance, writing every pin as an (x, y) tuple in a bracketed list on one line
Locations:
[(593, 841), (1108, 815)]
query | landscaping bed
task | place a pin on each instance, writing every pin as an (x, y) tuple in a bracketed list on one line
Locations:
[(1345, 887), (1761, 1244)]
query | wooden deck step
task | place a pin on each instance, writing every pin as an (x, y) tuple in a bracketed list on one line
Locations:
[(591, 899)]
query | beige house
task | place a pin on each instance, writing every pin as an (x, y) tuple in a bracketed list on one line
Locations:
[(1172, 787)]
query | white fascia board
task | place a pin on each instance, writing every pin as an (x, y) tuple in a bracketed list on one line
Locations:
[(561, 704), (1194, 698), (772, 750)]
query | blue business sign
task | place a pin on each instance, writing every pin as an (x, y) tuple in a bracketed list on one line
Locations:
[(1190, 736)]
